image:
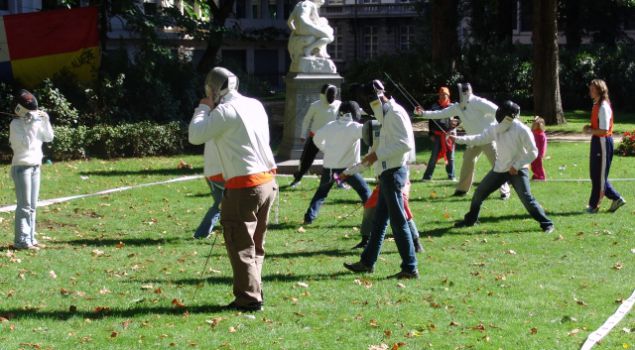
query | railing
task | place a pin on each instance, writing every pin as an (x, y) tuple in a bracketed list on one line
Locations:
[(369, 10)]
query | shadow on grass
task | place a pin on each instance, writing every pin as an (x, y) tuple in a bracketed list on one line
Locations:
[(126, 241), (13, 314), (118, 173), (225, 280), (307, 254)]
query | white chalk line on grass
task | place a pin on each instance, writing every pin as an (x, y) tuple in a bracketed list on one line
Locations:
[(43, 203), (611, 322), (10, 208)]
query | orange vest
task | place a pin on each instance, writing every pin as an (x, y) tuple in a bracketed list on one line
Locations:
[(595, 119)]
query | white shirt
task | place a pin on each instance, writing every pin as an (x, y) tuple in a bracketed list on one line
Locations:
[(211, 158), (396, 144), (319, 114), (515, 146), (26, 138), (604, 116), (478, 115), (339, 140), (240, 128)]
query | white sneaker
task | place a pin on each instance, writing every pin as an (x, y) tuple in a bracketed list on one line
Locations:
[(616, 204)]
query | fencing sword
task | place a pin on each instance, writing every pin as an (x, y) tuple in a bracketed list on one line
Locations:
[(209, 255), (330, 228), (411, 99)]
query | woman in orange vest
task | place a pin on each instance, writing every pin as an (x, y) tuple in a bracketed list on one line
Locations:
[(601, 129)]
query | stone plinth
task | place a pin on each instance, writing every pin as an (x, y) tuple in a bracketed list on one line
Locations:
[(302, 89)]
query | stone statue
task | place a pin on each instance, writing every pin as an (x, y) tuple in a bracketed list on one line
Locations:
[(310, 34)]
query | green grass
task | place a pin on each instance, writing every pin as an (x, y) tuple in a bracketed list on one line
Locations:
[(578, 118), (121, 260)]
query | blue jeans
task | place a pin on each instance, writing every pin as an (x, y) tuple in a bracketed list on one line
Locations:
[(326, 182), (27, 191), (432, 163), (492, 181), (390, 207), (213, 214)]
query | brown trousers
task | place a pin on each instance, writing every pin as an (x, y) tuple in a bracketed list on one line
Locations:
[(244, 217)]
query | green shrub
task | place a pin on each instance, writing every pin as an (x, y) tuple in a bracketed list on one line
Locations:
[(53, 101)]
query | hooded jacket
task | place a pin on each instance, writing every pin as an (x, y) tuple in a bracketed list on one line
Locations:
[(339, 140), (319, 114)]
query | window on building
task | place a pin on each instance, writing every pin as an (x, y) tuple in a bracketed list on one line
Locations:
[(241, 11), (371, 1), (255, 9), (370, 42), (273, 9), (406, 37), (336, 2), (335, 48), (4, 5)]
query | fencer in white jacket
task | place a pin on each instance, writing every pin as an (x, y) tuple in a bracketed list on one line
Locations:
[(517, 150), (340, 142), (476, 114)]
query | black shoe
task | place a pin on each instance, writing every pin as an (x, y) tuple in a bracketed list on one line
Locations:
[(418, 246), (463, 223), (362, 244), (548, 229), (458, 193), (358, 267), (405, 275), (251, 307), (307, 222)]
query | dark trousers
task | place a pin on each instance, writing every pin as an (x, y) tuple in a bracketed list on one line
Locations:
[(432, 163), (326, 182), (492, 181), (306, 159), (599, 166)]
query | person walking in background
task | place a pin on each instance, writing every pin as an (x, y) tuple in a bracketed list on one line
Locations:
[(320, 113), (27, 132), (516, 150), (476, 114), (442, 146), (538, 129), (601, 129), (240, 128), (339, 141)]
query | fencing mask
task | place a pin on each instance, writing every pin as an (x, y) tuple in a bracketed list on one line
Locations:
[(465, 92), (506, 113), (329, 91), (219, 82)]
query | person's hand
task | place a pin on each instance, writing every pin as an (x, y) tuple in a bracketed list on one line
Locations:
[(418, 110), (451, 137), (207, 101), (513, 171), (370, 158)]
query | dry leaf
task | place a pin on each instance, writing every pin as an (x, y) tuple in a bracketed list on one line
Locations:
[(214, 321), (97, 252), (72, 308), (533, 331), (101, 309), (401, 285), (454, 324), (618, 266), (396, 346), (574, 332), (387, 333), (580, 302), (232, 330), (158, 291), (120, 245), (378, 347), (177, 303), (479, 327), (114, 334), (147, 286), (302, 284), (301, 229), (373, 323), (52, 274), (433, 194), (104, 291), (511, 252)]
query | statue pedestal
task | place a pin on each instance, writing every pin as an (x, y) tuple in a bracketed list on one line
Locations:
[(302, 89)]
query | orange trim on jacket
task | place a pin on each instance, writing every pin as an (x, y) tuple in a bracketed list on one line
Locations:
[(251, 180), (216, 178)]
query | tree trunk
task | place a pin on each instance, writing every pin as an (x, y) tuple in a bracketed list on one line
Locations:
[(444, 36), (573, 28), (505, 21), (219, 13), (546, 83)]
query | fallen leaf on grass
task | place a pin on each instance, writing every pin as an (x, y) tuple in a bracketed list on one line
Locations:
[(533, 331), (214, 321), (177, 303), (618, 266), (101, 309), (104, 291), (302, 284), (301, 229), (97, 252), (401, 285), (396, 346), (120, 245), (413, 333), (580, 302), (479, 327), (72, 309), (147, 286), (387, 333), (232, 330), (511, 252), (378, 347), (363, 282), (373, 323), (454, 324), (52, 274), (4, 320), (114, 334), (33, 345), (574, 332)]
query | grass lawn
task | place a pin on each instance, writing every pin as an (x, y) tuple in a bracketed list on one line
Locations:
[(121, 271)]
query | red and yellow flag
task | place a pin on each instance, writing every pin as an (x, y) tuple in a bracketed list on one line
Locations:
[(35, 46)]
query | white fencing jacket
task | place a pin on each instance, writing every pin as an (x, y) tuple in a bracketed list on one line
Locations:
[(240, 128), (26, 138), (211, 157), (515, 145), (396, 146), (478, 115), (339, 140), (319, 114)]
